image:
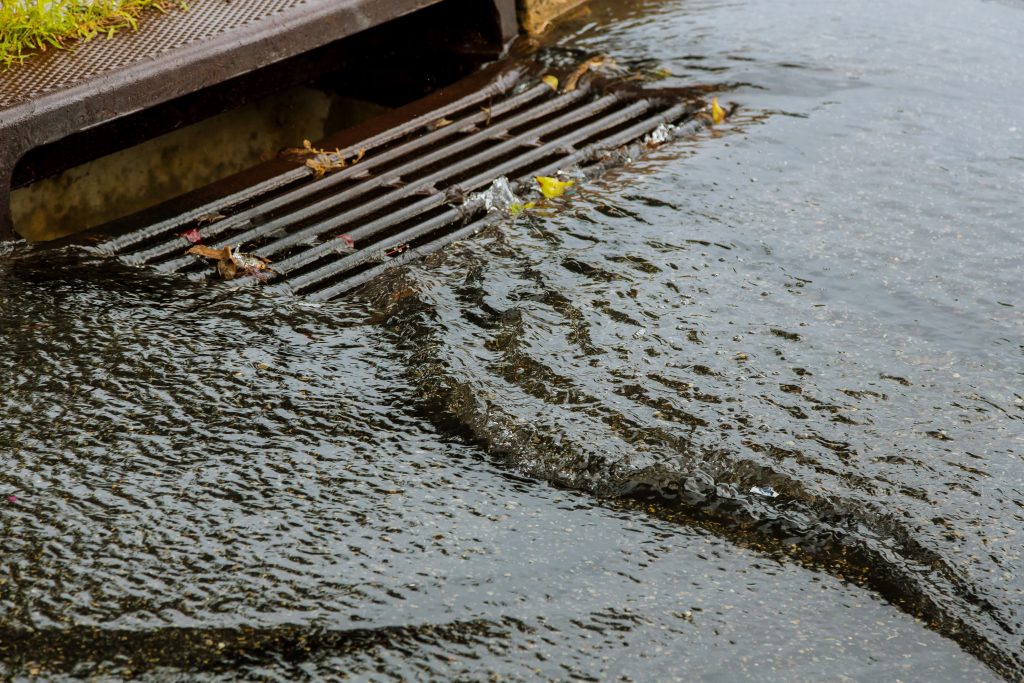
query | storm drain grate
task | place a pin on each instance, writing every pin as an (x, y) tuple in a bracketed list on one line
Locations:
[(412, 192)]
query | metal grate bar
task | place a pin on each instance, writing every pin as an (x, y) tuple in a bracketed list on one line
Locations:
[(365, 276), (333, 224), (438, 199), (392, 178), (362, 257), (524, 129), (173, 225), (477, 182), (119, 244)]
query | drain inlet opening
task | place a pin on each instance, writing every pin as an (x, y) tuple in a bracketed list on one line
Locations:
[(144, 159)]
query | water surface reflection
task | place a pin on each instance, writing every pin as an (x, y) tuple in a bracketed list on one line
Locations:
[(821, 299)]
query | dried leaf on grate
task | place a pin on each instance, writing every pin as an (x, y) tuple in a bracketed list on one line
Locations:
[(321, 161), (232, 263)]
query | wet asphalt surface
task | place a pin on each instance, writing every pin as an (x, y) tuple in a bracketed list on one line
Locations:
[(551, 451)]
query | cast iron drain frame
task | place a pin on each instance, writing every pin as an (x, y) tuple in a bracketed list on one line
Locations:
[(413, 190)]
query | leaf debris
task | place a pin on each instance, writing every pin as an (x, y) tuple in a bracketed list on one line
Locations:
[(553, 187), (193, 236), (322, 161), (574, 78), (232, 263), (717, 113)]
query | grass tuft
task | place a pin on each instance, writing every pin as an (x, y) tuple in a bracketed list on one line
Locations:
[(31, 26)]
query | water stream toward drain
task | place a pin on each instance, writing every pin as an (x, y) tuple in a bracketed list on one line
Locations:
[(736, 413)]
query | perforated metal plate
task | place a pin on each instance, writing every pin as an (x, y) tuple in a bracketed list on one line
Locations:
[(159, 35)]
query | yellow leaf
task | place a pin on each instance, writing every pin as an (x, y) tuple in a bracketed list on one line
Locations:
[(551, 81), (516, 208), (717, 113), (552, 187)]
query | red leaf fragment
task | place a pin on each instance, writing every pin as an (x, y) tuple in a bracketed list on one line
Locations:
[(12, 499), (349, 242), (193, 236)]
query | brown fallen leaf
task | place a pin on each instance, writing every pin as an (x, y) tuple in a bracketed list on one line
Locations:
[(208, 252), (574, 78), (230, 263), (325, 163), (320, 161), (227, 269), (441, 123), (248, 261)]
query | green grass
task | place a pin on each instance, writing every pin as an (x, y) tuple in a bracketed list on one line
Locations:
[(31, 26)]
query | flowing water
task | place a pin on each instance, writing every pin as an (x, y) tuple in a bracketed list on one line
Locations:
[(750, 409)]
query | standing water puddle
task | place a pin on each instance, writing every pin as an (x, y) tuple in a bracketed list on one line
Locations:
[(740, 412)]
